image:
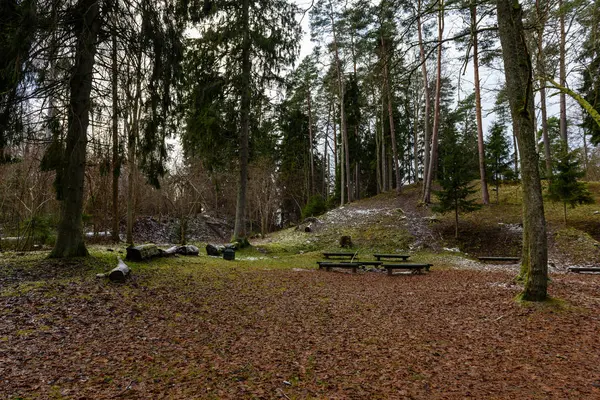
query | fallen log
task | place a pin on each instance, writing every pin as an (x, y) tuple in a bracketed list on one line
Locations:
[(186, 250), (120, 273), (142, 252)]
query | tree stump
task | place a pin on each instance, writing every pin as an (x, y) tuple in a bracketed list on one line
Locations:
[(346, 242)]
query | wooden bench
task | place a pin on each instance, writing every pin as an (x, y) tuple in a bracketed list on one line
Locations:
[(329, 265), (404, 257), (416, 268), (584, 269), (514, 259), (341, 255)]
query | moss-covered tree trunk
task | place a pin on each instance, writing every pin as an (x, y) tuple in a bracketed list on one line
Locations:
[(519, 80), (69, 242)]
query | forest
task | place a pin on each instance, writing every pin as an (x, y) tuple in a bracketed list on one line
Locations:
[(452, 132)]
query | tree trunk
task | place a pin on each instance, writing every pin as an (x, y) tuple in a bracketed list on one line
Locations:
[(345, 160), (436, 112), (132, 135), (239, 231), (426, 133), (310, 149), (519, 81), (388, 90), (485, 196), (69, 241), (542, 72), (116, 167), (562, 75), (456, 221)]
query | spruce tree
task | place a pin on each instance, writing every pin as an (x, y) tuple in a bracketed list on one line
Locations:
[(254, 41), (498, 157), (565, 187), (455, 179)]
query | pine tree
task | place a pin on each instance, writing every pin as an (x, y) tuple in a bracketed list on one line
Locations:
[(565, 187), (455, 179)]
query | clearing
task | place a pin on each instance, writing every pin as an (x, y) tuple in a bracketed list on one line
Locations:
[(270, 325)]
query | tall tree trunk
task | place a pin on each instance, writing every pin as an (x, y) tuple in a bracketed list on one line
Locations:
[(132, 136), (426, 133), (239, 231), (310, 146), (485, 196), (116, 165), (519, 82), (326, 156), (378, 158), (542, 72), (388, 90), (345, 160), (436, 112), (416, 141), (69, 241), (384, 169), (562, 75)]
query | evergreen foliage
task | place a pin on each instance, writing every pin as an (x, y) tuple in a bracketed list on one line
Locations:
[(498, 156), (565, 186), (455, 178)]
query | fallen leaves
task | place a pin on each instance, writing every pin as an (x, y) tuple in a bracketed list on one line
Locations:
[(293, 334)]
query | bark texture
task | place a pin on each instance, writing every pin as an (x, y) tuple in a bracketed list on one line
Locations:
[(485, 196), (519, 81), (69, 241), (239, 230), (436, 112)]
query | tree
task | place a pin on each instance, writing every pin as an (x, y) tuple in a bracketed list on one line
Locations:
[(565, 187), (69, 241), (455, 177), (436, 113), (497, 156), (252, 41), (519, 82)]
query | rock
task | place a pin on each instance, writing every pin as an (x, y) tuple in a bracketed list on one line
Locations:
[(214, 250), (188, 250)]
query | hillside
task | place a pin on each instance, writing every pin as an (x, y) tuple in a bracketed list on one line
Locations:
[(388, 222)]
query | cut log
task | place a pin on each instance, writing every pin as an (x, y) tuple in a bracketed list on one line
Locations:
[(214, 250), (120, 273), (188, 250), (142, 252)]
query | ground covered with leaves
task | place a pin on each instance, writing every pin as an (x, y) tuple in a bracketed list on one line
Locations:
[(264, 327)]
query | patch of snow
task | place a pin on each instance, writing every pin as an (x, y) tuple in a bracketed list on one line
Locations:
[(452, 250)]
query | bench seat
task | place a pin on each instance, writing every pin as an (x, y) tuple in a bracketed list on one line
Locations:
[(414, 267), (329, 265), (340, 254), (584, 269), (404, 257), (515, 259)]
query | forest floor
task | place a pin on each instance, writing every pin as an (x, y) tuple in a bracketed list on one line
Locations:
[(270, 325)]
